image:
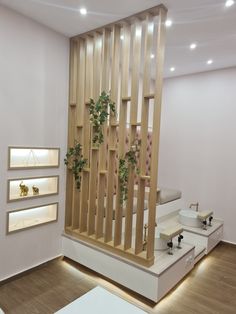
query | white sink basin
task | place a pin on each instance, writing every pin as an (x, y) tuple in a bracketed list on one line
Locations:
[(160, 244), (188, 217)]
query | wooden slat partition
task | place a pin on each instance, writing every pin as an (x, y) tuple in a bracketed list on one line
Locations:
[(102, 60)]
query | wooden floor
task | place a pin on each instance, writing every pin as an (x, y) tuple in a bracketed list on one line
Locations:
[(209, 289)]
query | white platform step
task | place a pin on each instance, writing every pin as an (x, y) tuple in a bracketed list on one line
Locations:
[(100, 301)]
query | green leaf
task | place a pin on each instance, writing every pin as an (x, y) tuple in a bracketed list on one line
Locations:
[(78, 162)]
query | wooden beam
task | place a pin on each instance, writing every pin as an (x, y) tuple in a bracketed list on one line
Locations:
[(148, 40), (94, 153), (156, 132), (122, 126), (106, 43), (136, 60), (88, 90), (115, 72)]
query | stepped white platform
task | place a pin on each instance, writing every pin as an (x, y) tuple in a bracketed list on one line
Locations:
[(156, 281), (153, 282), (100, 301)]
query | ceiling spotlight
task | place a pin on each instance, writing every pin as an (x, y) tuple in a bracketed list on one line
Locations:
[(209, 61), (152, 56), (172, 69), (193, 46), (83, 11), (229, 3), (168, 23), (122, 37)]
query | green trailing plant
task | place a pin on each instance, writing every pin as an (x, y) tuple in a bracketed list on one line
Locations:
[(74, 160), (130, 160), (99, 112)]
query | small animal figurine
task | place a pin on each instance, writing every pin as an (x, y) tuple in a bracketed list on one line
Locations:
[(35, 190), (23, 189)]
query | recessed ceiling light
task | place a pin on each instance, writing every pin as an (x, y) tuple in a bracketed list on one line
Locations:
[(210, 61), (122, 37), (83, 11), (193, 46), (168, 23), (229, 3), (152, 56), (172, 69)]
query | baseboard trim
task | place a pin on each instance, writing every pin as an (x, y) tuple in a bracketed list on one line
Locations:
[(27, 271), (229, 242)]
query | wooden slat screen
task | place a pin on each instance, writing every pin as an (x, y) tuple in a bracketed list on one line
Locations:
[(116, 58)]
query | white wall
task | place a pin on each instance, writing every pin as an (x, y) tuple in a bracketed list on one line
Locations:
[(33, 112), (198, 142)]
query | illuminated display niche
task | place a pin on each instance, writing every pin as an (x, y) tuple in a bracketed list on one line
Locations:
[(31, 217), (30, 157), (46, 186)]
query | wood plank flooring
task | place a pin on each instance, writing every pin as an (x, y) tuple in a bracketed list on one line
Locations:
[(209, 289)]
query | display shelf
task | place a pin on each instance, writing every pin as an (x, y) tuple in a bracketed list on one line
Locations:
[(48, 185), (33, 157), (25, 218)]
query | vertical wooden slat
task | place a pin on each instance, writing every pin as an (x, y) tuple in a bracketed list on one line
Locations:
[(81, 83), (115, 72), (136, 59), (79, 110), (74, 191), (71, 130), (122, 125), (103, 146), (148, 30), (94, 149), (73, 71), (156, 132), (86, 132)]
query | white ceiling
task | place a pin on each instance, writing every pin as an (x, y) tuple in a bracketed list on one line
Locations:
[(206, 22)]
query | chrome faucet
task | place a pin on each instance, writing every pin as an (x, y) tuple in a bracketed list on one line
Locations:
[(145, 236), (194, 205)]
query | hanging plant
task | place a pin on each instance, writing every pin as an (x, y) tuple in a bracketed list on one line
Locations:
[(99, 114), (74, 160), (130, 160)]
